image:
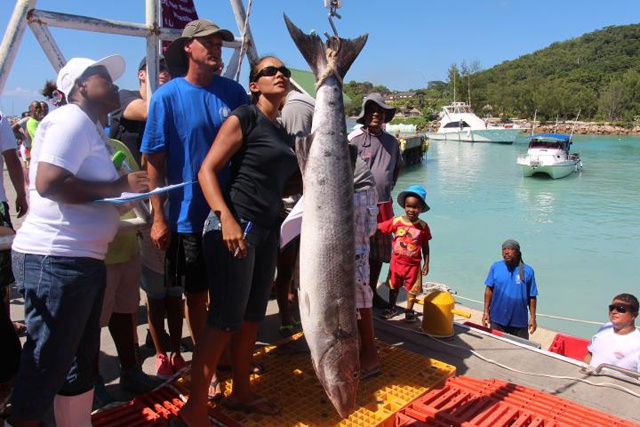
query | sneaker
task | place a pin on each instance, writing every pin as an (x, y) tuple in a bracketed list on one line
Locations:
[(136, 381), (410, 316), (177, 362), (389, 313), (164, 370)]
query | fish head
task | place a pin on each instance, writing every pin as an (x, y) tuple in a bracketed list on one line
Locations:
[(339, 373)]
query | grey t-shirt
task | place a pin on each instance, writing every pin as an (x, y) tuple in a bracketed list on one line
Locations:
[(297, 115), (382, 154)]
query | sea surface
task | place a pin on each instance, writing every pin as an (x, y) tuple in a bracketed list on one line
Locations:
[(581, 234)]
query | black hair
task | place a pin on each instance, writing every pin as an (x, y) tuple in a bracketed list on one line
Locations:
[(629, 299), (49, 88), (254, 71)]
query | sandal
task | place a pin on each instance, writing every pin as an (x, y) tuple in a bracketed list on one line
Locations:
[(212, 394), (260, 405)]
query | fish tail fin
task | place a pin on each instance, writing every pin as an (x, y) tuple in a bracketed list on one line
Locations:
[(342, 51)]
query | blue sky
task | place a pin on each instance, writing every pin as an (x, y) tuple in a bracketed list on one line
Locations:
[(411, 42)]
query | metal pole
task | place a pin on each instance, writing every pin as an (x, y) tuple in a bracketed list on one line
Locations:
[(99, 25), (12, 38), (241, 15), (153, 44), (49, 45)]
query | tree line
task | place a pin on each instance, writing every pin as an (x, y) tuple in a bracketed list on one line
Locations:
[(597, 74)]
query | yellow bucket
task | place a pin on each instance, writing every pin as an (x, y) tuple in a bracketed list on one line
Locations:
[(437, 314)]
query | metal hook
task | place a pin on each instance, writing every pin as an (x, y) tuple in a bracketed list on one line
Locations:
[(333, 11)]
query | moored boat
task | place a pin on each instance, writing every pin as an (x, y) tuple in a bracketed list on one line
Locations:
[(458, 122), (548, 154)]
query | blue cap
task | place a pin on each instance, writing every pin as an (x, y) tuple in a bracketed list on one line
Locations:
[(416, 191)]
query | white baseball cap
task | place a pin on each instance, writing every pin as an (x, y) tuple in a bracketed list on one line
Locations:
[(76, 67)]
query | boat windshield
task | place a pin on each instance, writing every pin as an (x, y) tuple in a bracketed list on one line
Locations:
[(546, 144), (458, 124)]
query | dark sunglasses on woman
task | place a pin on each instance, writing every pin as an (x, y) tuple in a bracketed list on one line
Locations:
[(271, 71)]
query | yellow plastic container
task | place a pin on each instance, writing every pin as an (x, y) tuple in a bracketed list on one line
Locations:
[(437, 314)]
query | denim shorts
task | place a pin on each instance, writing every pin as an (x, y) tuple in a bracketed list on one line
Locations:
[(239, 288), (62, 304)]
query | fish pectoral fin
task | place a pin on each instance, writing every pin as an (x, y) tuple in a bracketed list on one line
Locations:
[(303, 145)]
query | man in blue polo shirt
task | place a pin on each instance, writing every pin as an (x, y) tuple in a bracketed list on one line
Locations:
[(511, 291)]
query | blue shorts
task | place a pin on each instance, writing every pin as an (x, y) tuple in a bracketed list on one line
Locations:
[(62, 304), (239, 288)]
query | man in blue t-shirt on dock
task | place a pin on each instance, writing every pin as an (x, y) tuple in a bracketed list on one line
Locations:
[(511, 291), (184, 117)]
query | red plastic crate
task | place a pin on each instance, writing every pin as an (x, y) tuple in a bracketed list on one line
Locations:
[(468, 402), (570, 346)]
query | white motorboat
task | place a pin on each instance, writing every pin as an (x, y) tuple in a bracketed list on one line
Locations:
[(458, 122), (549, 154)]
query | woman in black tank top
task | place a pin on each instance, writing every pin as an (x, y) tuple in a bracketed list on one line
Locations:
[(241, 238)]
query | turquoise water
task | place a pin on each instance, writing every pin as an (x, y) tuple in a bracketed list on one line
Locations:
[(581, 234)]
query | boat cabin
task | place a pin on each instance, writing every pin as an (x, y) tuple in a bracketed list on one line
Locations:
[(551, 142)]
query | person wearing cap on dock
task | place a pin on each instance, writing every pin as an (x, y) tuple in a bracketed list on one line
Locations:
[(185, 115), (617, 342), (58, 252), (510, 293), (381, 151)]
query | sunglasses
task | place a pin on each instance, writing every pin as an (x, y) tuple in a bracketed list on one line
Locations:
[(271, 71), (619, 308)]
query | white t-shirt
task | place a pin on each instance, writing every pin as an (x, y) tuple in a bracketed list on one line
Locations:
[(619, 350), (67, 138), (7, 142)]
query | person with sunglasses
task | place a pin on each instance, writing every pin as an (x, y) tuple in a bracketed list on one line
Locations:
[(617, 342), (241, 239)]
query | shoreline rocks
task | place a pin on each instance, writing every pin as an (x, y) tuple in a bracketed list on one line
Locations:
[(580, 128)]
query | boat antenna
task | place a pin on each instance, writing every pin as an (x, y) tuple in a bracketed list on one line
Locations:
[(533, 126), (574, 124), (555, 129)]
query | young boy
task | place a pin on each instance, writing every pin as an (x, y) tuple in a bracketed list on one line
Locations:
[(411, 237)]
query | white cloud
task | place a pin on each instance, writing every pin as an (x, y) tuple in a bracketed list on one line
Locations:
[(22, 92)]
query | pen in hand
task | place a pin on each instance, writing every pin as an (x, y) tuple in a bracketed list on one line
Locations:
[(247, 229)]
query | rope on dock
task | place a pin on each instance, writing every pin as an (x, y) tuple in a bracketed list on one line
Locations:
[(549, 316)]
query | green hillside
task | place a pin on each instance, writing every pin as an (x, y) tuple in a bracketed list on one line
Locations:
[(597, 74)]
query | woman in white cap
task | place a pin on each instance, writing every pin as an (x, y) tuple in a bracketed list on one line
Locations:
[(59, 250)]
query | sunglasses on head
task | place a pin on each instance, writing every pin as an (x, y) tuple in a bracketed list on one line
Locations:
[(619, 308), (271, 71)]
